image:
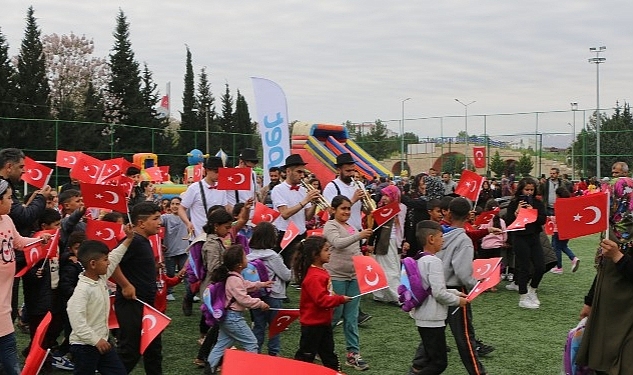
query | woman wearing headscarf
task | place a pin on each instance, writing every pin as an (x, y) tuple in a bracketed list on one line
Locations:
[(423, 189), (387, 243)]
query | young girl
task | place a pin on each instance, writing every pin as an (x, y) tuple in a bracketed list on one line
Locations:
[(317, 302), (493, 243), (526, 243), (262, 243), (234, 327), (561, 246)]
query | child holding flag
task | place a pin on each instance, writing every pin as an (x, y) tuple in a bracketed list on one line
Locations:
[(317, 302), (89, 306), (430, 317)]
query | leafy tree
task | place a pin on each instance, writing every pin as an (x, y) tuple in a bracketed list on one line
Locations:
[(525, 164), (243, 123), (7, 84), (377, 143), (497, 165), (190, 122)]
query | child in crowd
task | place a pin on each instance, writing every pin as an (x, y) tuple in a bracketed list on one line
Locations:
[(234, 328), (317, 302), (493, 243), (444, 203), (262, 242), (73, 211), (175, 242), (89, 306), (434, 209), (430, 357), (562, 246)]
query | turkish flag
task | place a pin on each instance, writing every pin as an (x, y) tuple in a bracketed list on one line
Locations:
[(550, 225), (525, 216), (156, 243), (469, 185), (36, 174), (113, 323), (113, 168), (36, 251), (86, 169), (385, 213), (493, 279), (370, 276), (315, 232), (67, 159), (234, 179), (104, 231), (238, 362), (486, 217), (282, 320), (164, 169), (583, 215), (104, 196), (482, 268), (198, 172), (152, 324), (37, 355), (123, 181), (263, 213), (155, 174), (291, 232), (479, 154)]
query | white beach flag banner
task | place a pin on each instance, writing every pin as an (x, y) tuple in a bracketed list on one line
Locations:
[(272, 120)]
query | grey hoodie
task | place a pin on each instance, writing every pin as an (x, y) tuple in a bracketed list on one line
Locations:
[(457, 257), (277, 270)]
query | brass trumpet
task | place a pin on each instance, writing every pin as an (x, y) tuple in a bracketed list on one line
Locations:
[(368, 203), (320, 199)]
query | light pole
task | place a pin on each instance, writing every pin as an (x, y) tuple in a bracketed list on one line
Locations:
[(465, 129), (574, 108), (402, 138), (597, 60), (206, 123)]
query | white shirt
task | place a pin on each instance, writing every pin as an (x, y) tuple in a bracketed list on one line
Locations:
[(283, 196), (347, 190), (192, 202)]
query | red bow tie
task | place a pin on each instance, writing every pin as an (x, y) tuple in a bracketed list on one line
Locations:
[(213, 187), (294, 187)]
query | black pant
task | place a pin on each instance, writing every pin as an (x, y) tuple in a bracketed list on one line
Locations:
[(464, 333), (87, 359), (317, 340), (129, 313), (209, 342), (430, 357), (288, 252), (528, 250)]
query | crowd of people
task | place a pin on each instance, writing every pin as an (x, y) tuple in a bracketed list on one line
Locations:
[(432, 220)]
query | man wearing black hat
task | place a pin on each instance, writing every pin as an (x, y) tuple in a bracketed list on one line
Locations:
[(293, 203), (199, 197), (248, 159)]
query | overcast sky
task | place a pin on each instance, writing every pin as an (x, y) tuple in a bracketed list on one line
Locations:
[(357, 60)]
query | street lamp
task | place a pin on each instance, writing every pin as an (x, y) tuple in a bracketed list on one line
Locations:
[(597, 60), (574, 108), (402, 138), (466, 129)]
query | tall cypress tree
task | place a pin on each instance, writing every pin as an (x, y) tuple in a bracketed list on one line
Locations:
[(227, 123), (206, 102), (243, 123), (7, 84), (189, 121)]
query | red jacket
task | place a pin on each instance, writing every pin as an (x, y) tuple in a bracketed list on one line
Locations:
[(317, 299), (160, 303)]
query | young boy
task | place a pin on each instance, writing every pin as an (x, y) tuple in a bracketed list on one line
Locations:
[(434, 210), (73, 211), (430, 316), (457, 257), (89, 306)]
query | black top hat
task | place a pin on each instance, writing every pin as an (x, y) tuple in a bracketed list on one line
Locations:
[(294, 159), (213, 162), (249, 154), (345, 158)]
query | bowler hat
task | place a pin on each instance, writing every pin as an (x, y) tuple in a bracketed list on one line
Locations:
[(213, 162), (294, 159), (249, 154), (345, 158)]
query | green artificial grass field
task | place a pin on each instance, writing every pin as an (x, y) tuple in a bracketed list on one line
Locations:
[(526, 341)]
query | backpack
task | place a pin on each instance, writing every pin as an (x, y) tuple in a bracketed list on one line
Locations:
[(213, 307), (411, 293), (256, 271), (195, 266), (574, 337)]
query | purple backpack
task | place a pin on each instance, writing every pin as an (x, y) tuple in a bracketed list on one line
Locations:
[(411, 293), (195, 267), (256, 271), (574, 338), (213, 307)]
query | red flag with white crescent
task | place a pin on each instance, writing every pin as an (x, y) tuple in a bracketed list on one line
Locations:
[(369, 274), (123, 181), (482, 268), (550, 225), (164, 169), (155, 174), (493, 279), (87, 169), (525, 216), (104, 231), (263, 213), (104, 196), (385, 213), (315, 232), (238, 362), (36, 174), (583, 215), (282, 320), (234, 179), (37, 354), (479, 154), (485, 217), (152, 324), (469, 185), (291, 232), (67, 159)]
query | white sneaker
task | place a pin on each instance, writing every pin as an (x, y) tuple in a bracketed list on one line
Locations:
[(512, 286), (170, 297), (532, 296), (527, 303), (574, 264)]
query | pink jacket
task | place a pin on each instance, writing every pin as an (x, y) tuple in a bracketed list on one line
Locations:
[(237, 288), (494, 241)]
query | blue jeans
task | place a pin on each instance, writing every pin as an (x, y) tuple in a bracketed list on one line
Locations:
[(233, 328), (349, 312), (9, 354), (261, 320), (87, 359), (560, 247), (170, 269)]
